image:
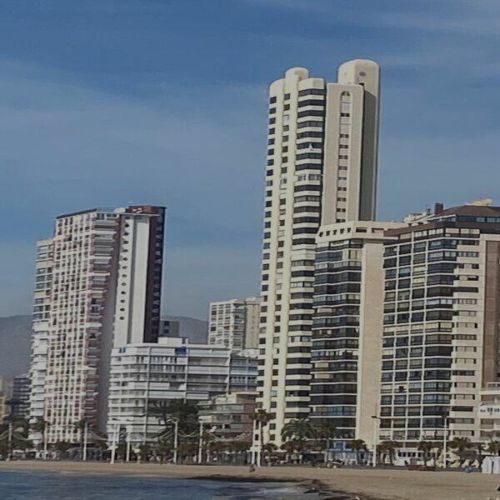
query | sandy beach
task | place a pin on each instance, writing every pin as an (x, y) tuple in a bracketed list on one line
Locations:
[(366, 483)]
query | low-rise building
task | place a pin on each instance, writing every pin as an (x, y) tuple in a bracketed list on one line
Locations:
[(230, 416), (146, 375), (489, 412)]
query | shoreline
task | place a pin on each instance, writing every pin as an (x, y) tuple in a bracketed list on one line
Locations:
[(328, 484)]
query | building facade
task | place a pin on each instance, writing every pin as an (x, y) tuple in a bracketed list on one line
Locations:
[(347, 327), (98, 282), (321, 168), (234, 323), (441, 317), (21, 397), (40, 331), (229, 416), (145, 375)]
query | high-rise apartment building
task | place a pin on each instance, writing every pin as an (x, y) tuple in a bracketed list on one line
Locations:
[(147, 375), (235, 323), (40, 330), (347, 327), (98, 286), (441, 324), (321, 169)]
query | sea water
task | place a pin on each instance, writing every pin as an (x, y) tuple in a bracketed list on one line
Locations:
[(69, 486)]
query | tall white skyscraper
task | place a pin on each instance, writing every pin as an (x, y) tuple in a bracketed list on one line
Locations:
[(99, 274), (321, 169)]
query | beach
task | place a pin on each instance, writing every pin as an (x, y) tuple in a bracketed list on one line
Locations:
[(376, 484)]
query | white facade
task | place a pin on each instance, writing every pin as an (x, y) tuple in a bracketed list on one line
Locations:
[(39, 340), (81, 274), (234, 323), (321, 168), (143, 375)]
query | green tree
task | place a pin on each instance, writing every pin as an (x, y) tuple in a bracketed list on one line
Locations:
[(494, 447), (262, 418), (462, 447), (324, 431), (357, 445), (388, 448), (62, 447), (186, 412), (299, 430), (426, 448)]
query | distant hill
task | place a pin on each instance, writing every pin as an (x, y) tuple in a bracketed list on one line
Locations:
[(196, 330), (15, 338)]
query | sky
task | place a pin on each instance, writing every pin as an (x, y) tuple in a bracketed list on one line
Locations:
[(113, 102)]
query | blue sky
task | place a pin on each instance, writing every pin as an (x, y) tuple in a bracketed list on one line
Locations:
[(111, 102)]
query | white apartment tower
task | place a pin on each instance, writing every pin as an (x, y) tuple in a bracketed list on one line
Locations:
[(321, 169), (234, 323), (100, 269)]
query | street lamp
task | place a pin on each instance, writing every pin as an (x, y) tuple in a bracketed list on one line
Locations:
[(445, 440), (116, 436), (175, 421), (375, 420)]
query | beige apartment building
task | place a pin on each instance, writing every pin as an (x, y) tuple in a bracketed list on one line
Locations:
[(321, 169), (347, 328), (235, 323)]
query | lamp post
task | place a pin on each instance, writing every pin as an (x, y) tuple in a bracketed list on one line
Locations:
[(127, 458), (85, 440), (114, 443), (176, 439), (9, 456), (253, 455), (374, 457), (445, 442), (200, 444)]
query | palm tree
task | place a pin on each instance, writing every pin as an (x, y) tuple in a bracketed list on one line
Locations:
[(262, 418), (39, 425), (388, 448), (426, 448), (291, 447), (324, 431), (462, 448), (185, 412), (81, 426), (298, 430), (357, 445), (494, 447)]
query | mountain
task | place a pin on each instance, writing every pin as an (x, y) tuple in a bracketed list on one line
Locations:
[(196, 330), (15, 337)]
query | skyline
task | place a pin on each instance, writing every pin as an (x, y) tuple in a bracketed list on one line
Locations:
[(67, 103)]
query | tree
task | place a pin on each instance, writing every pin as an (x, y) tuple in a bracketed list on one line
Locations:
[(185, 412), (145, 452), (494, 447), (40, 426), (388, 448), (357, 445), (462, 448), (426, 448), (80, 427), (324, 431), (62, 447), (262, 418), (299, 430)]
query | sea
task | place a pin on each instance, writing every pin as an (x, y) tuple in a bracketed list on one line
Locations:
[(69, 486)]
